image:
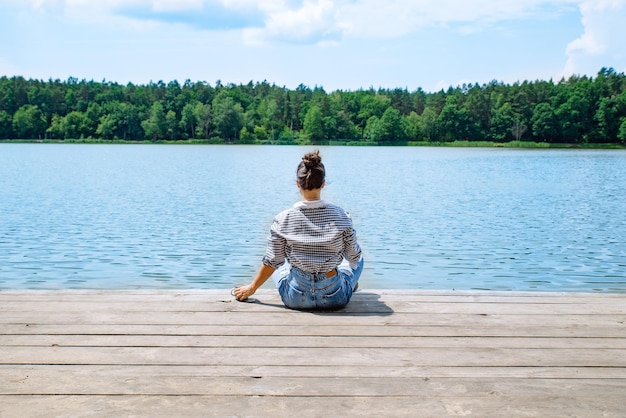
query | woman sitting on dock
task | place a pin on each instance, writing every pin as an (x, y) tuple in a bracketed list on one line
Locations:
[(315, 244)]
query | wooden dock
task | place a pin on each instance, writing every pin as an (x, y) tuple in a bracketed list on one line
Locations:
[(389, 354)]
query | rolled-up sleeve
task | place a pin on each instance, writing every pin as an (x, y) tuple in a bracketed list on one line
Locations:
[(352, 250), (276, 244)]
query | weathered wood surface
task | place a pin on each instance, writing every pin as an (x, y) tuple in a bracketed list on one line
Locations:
[(389, 353)]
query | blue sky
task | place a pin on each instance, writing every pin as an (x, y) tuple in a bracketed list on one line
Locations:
[(342, 44)]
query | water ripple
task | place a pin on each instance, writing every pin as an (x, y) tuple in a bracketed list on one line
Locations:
[(75, 216)]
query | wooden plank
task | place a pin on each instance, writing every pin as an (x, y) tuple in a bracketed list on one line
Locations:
[(278, 341), (298, 319), (485, 308), (253, 329), (18, 374), (490, 404), (123, 296), (362, 357), (131, 384), (358, 305), (270, 296)]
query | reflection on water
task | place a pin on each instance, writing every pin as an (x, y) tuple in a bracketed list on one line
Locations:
[(147, 216)]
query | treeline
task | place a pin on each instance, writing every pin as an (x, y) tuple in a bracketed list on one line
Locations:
[(578, 110)]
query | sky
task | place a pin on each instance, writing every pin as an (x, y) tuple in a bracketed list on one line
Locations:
[(334, 44)]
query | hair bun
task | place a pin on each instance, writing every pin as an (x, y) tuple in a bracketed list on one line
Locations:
[(311, 171), (312, 159)]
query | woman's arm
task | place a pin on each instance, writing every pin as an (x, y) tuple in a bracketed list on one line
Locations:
[(352, 249), (244, 292)]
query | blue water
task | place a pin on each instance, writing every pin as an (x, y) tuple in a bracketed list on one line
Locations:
[(166, 216)]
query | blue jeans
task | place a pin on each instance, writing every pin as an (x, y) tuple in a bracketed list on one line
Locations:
[(306, 291)]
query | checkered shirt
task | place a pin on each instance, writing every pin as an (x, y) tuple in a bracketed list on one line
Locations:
[(312, 236)]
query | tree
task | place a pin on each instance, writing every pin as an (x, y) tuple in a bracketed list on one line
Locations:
[(13, 94), (572, 119), (371, 105), (245, 136), (120, 121), (171, 97), (228, 116), (455, 123), (107, 127), (621, 134), (391, 127), (6, 125), (479, 107), (501, 122), (29, 122), (373, 130), (314, 125), (388, 128), (204, 117), (412, 127), (344, 128), (155, 126), (518, 129), (74, 125), (544, 123), (92, 114), (270, 116), (171, 125), (428, 124), (57, 127), (608, 124), (188, 120)]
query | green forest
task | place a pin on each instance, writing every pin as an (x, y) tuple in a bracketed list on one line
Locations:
[(580, 110)]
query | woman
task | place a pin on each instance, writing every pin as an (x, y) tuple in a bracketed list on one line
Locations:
[(317, 241)]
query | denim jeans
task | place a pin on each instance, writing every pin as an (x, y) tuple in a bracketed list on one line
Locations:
[(307, 291)]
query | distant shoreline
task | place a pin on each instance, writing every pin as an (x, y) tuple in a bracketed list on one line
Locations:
[(454, 144)]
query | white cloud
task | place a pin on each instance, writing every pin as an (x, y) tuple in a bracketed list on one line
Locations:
[(319, 20), (327, 22), (39, 4), (603, 39), (176, 5), (313, 22)]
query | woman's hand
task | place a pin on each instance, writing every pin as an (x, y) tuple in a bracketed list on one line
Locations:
[(243, 292)]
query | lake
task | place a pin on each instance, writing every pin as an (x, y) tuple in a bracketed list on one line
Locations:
[(184, 216)]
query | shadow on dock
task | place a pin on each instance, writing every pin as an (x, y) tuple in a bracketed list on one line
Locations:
[(362, 304)]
